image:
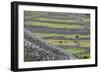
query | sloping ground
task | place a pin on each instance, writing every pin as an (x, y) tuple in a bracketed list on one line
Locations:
[(68, 31), (36, 49)]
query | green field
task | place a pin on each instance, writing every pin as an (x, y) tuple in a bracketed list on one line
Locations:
[(54, 25), (59, 20), (85, 43), (62, 42), (80, 53), (64, 35)]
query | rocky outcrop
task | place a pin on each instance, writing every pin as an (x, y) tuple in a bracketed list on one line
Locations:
[(37, 49)]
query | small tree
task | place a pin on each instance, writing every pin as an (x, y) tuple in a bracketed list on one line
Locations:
[(60, 41), (77, 36)]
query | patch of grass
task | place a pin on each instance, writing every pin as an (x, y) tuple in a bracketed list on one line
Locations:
[(64, 35), (84, 43), (79, 35), (75, 50), (86, 20), (59, 20), (86, 17), (79, 53), (83, 55), (35, 13), (62, 42), (54, 25), (39, 14)]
